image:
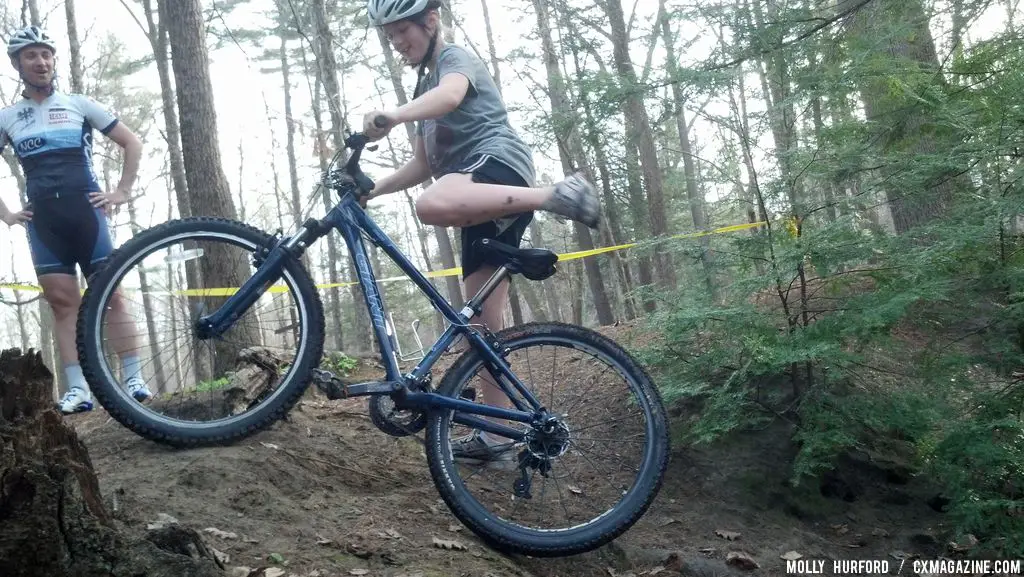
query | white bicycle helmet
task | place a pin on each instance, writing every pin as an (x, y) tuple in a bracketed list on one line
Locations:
[(29, 36), (383, 12)]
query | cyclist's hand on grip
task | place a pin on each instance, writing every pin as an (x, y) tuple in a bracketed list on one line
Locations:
[(378, 124)]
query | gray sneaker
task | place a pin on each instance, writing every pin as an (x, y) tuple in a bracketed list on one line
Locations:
[(575, 198), (473, 450)]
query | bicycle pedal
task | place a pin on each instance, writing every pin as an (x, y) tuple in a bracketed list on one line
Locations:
[(330, 385)]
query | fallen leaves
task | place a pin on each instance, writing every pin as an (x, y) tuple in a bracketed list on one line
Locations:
[(727, 535), (221, 557), (388, 534), (791, 556), (673, 562), (741, 560), (969, 542), (162, 520), (220, 534)]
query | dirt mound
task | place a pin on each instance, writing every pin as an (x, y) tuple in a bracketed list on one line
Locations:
[(325, 493)]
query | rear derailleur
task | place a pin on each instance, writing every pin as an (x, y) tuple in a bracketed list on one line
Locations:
[(522, 486)]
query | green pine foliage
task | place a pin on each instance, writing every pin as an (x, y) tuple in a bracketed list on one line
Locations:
[(863, 339)]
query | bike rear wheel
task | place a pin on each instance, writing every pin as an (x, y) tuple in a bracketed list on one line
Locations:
[(208, 391), (577, 487)]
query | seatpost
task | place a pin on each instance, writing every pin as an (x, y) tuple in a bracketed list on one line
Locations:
[(475, 304)]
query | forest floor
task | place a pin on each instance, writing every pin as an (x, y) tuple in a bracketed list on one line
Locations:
[(324, 493)]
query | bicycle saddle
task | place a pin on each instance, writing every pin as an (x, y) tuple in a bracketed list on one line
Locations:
[(533, 263)]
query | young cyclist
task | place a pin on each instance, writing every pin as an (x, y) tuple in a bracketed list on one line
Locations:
[(51, 133), (484, 171)]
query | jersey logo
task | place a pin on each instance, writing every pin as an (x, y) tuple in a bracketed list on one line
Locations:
[(26, 114), (59, 115), (30, 144)]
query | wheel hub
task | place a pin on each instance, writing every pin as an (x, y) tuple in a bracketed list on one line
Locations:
[(550, 439)]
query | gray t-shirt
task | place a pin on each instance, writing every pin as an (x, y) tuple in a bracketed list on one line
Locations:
[(478, 126)]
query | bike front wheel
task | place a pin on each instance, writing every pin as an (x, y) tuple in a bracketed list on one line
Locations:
[(583, 480), (137, 324)]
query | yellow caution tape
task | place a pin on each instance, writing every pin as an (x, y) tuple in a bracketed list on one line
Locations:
[(454, 271)]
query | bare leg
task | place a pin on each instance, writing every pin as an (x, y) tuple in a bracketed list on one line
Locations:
[(455, 200), (122, 329), (64, 296), (492, 315), (61, 292)]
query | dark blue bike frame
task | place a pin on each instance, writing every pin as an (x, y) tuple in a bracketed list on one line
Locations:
[(350, 220)]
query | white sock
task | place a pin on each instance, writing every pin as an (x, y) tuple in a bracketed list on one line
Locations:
[(76, 380), (132, 366)]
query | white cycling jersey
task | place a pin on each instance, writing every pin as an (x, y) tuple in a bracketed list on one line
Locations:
[(53, 141)]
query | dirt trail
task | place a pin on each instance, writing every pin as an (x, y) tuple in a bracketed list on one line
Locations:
[(325, 493)]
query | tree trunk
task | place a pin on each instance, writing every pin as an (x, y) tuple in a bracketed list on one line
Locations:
[(155, 338), (172, 312), (613, 221), (537, 240), (54, 520), (289, 121), (293, 319), (897, 35), (529, 293), (209, 193), (828, 188), (641, 224), (570, 150), (33, 10), (19, 307), (638, 131), (44, 312), (73, 47), (514, 304), (334, 255), (161, 46), (325, 54), (241, 179), (576, 276), (495, 68), (693, 193)]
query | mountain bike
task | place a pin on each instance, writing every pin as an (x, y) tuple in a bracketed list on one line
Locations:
[(584, 424)]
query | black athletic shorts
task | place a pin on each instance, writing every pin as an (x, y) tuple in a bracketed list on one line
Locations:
[(509, 230), (65, 231)]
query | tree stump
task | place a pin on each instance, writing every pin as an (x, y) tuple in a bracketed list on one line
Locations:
[(257, 372), (52, 519)]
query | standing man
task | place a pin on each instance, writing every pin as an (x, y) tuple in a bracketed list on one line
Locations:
[(51, 133)]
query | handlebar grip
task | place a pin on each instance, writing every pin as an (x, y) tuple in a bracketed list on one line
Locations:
[(380, 121)]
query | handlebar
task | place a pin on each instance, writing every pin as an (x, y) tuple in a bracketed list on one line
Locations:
[(355, 142)]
